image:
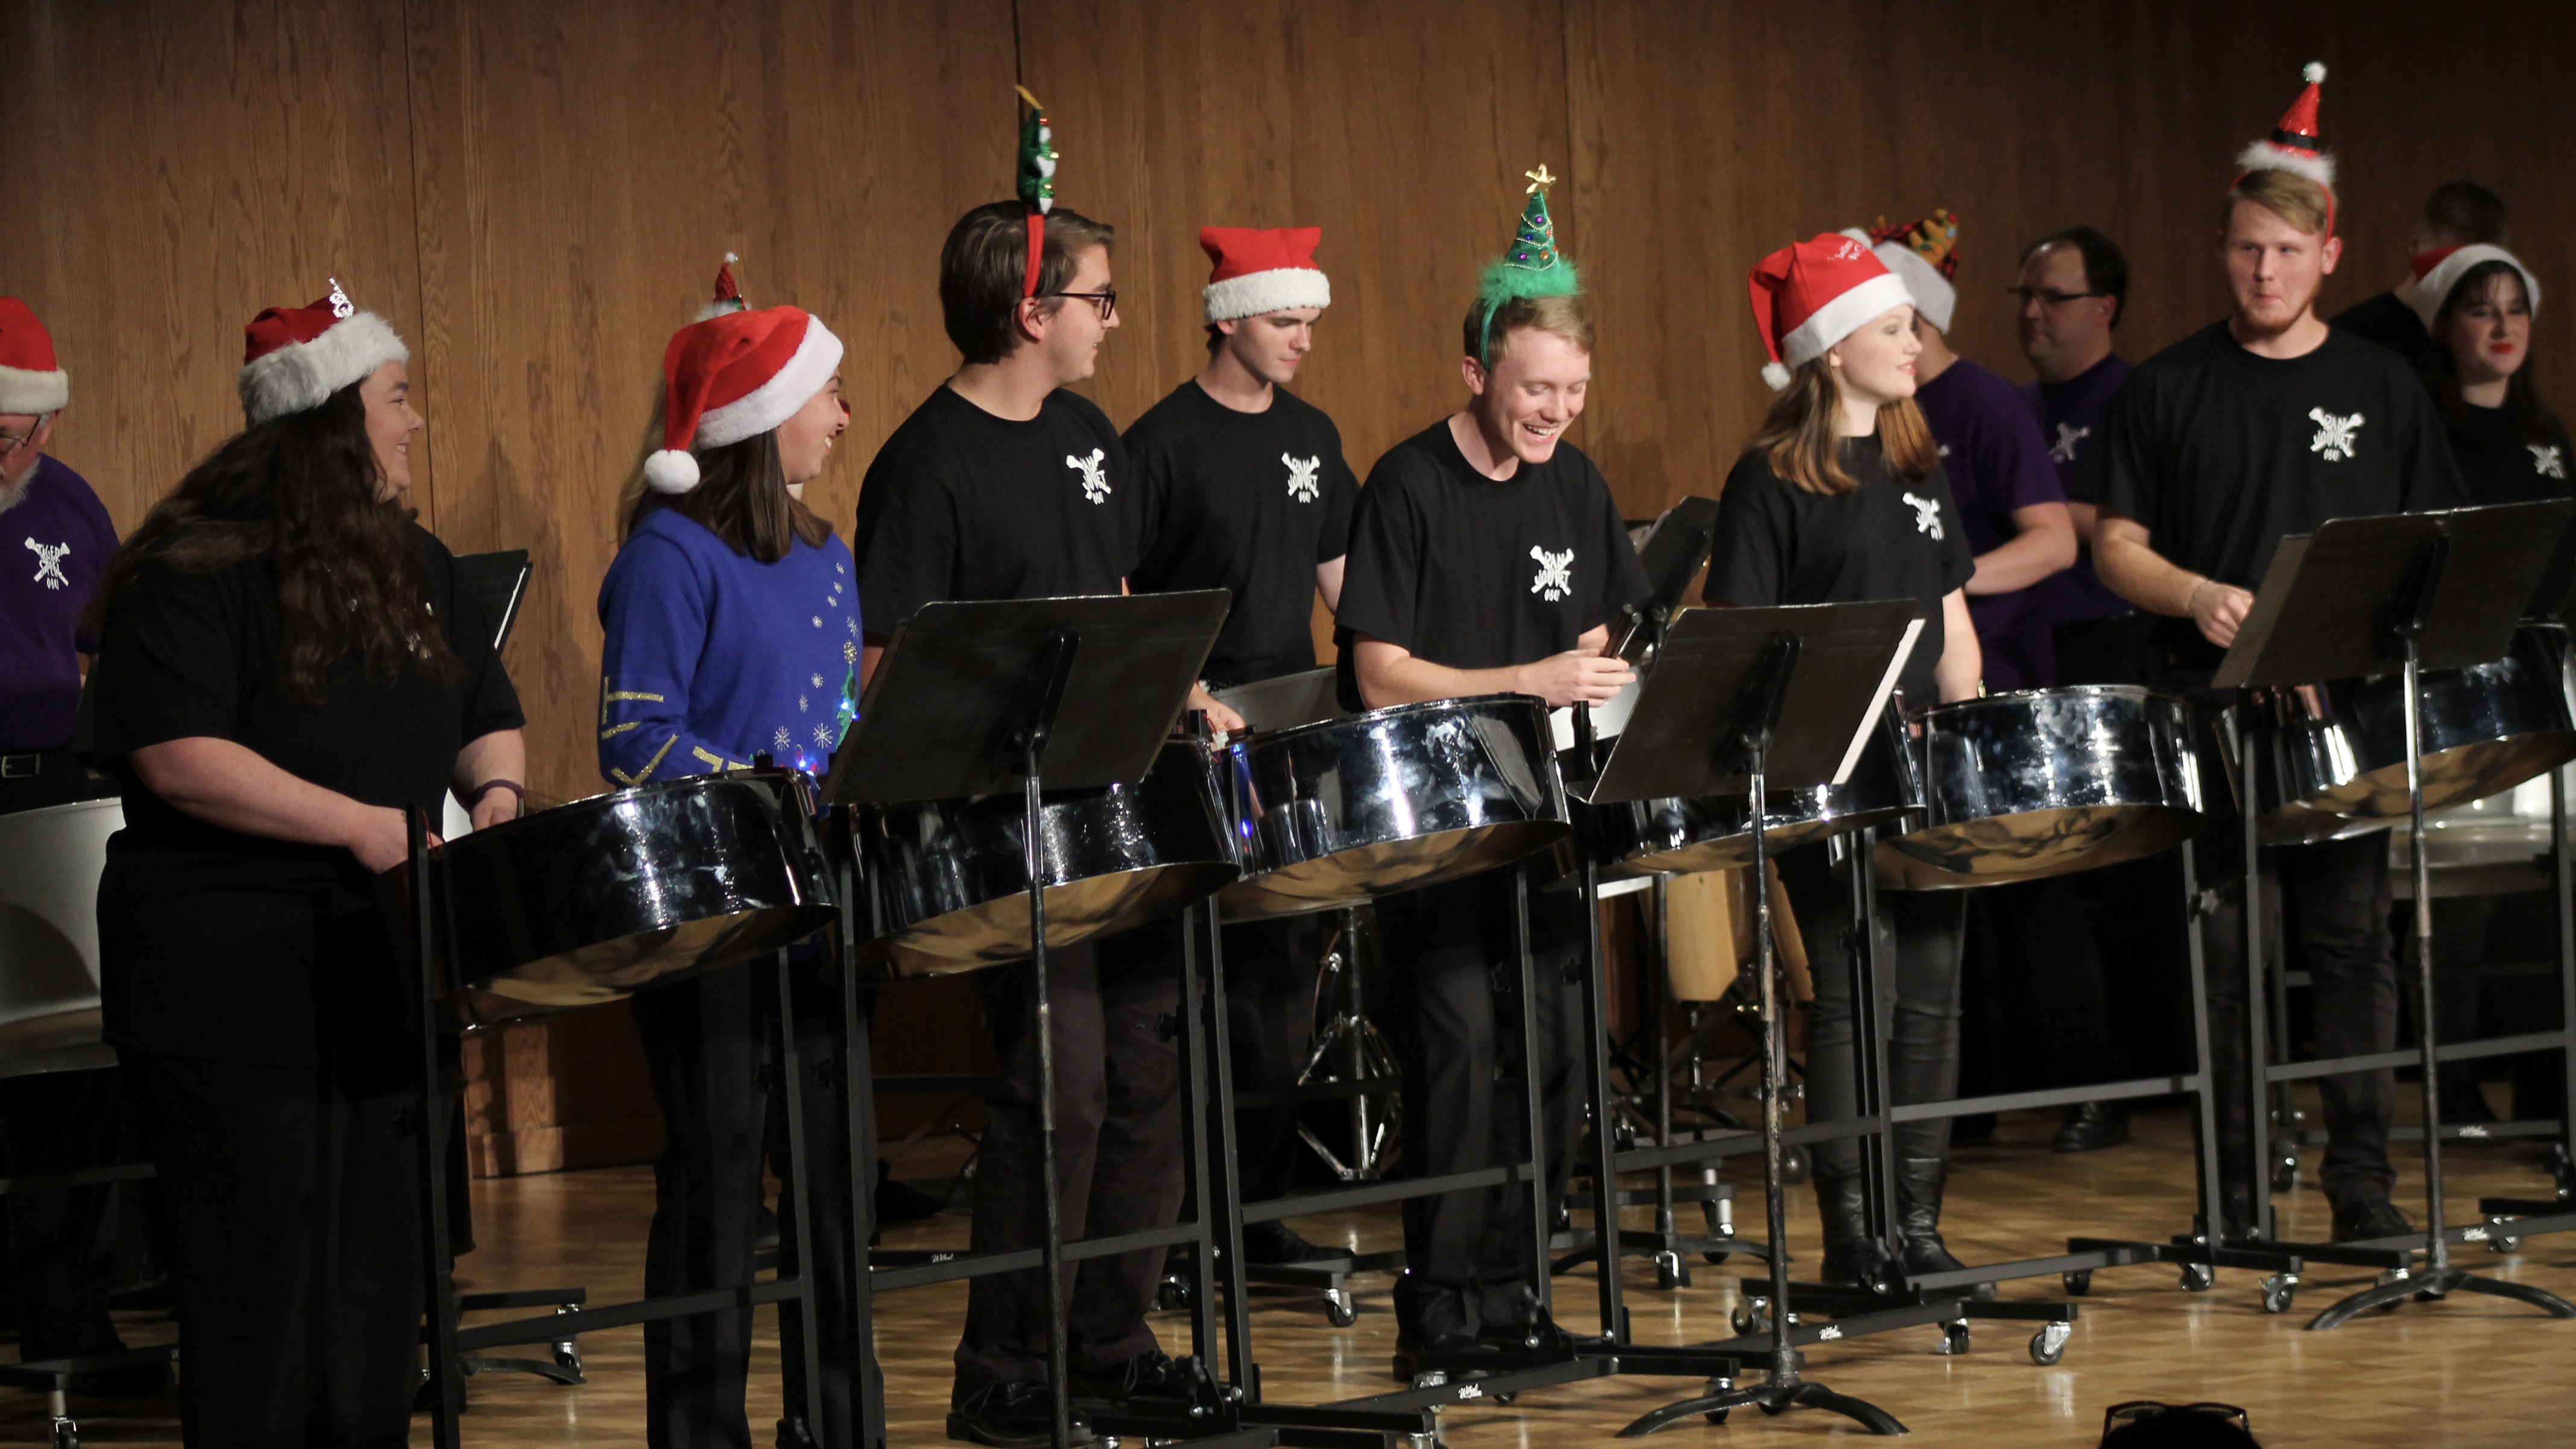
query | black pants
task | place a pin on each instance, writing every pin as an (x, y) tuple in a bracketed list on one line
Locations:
[(1917, 986), (293, 1211), (62, 1245), (2333, 899), (707, 1042), (1116, 1006), (1453, 1022), (1270, 971), (2040, 1007)]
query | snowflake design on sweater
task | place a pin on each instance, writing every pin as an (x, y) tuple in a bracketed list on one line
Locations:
[(783, 740), (1555, 577), (2334, 440), (2549, 460)]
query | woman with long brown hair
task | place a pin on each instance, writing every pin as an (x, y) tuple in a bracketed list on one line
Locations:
[(732, 623), (287, 665), (2477, 303), (1840, 497)]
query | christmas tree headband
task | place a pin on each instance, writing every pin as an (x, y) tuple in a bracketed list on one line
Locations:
[(1530, 267), (1037, 182)]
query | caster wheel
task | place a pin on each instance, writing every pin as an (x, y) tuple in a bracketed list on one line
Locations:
[(66, 1434), (1748, 1321), (2285, 1174), (1795, 1165), (1173, 1296), (1506, 1398), (2278, 1290), (1715, 1258), (2198, 1277), (1670, 1272), (1954, 1339), (2049, 1344), (2506, 1244), (1717, 1416), (2079, 1282), (1339, 1309)]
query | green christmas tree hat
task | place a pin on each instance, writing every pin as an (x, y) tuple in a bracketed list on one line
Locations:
[(1036, 182), (1530, 267)]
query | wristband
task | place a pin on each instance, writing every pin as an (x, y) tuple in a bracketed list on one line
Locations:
[(487, 787)]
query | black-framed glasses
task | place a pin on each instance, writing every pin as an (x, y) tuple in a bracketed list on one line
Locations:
[(2048, 296), (1105, 299), (2137, 1409), (11, 442)]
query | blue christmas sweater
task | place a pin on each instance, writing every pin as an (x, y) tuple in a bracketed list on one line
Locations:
[(713, 657)]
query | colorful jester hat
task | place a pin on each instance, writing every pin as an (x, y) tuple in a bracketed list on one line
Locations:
[(1530, 267), (1037, 181)]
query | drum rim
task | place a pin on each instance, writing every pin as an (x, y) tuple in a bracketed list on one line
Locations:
[(65, 807), (1392, 711), (2141, 692), (658, 787)]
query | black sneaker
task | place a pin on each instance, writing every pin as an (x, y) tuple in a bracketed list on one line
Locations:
[(2375, 1217), (2090, 1127), (1016, 1415), (1278, 1244), (1430, 1319), (1152, 1374)]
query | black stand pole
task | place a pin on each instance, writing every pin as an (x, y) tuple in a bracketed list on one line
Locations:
[(438, 1282)]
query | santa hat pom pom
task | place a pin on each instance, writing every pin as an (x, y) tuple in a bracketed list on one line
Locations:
[(671, 470), (1775, 376), (2315, 72)]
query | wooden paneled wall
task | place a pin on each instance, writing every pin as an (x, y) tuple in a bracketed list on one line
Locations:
[(537, 193)]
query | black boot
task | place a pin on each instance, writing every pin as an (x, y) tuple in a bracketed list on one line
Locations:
[(1919, 1181), (1853, 1258)]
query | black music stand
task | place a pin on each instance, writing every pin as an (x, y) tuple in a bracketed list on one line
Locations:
[(1741, 698), (977, 698), (2415, 591)]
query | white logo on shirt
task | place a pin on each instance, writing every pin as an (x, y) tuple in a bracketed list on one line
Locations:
[(49, 564), (2068, 435), (1555, 574), (1927, 514), (2334, 440), (2548, 460), (1301, 477), (1095, 479)]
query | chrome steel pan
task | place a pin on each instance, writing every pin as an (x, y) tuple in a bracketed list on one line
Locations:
[(50, 861), (1388, 801), (2041, 782), (1715, 833), (590, 901), (2331, 758), (951, 877)]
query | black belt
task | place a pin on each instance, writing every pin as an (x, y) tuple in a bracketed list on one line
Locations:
[(21, 767)]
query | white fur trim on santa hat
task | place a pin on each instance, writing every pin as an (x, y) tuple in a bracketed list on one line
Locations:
[(1933, 295), (23, 390), (2317, 166), (1842, 317), (303, 375), (2435, 287), (1255, 294), (774, 401)]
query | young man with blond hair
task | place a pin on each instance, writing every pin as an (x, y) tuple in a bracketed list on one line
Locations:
[(2264, 425)]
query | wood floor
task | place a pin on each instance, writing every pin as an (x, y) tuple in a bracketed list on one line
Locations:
[(2469, 1371)]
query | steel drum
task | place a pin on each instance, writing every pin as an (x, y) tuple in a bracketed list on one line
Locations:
[(591, 901), (1391, 800), (951, 877), (2045, 781), (2331, 758), (1677, 836), (50, 861)]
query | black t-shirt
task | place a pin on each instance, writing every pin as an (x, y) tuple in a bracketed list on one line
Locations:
[(2500, 464), (1249, 502), (2219, 453), (1472, 572), (232, 947), (1889, 538), (960, 504), (2388, 321)]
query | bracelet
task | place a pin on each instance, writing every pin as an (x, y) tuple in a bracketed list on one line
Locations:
[(488, 786)]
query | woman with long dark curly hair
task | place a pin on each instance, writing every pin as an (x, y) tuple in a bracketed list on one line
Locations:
[(286, 667)]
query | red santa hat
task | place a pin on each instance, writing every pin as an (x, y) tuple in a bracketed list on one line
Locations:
[(2294, 145), (294, 358), (728, 297), (735, 376), (1260, 270), (2439, 270), (31, 381), (1813, 294)]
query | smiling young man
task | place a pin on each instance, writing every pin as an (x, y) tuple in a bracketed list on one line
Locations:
[(2264, 425), (1243, 487), (1487, 557)]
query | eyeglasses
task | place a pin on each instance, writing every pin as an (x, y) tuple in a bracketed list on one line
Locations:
[(12, 442), (1106, 300), (2048, 297), (2137, 1409)]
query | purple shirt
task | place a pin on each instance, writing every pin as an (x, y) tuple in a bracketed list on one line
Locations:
[(1997, 462), (2070, 416), (54, 543)]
